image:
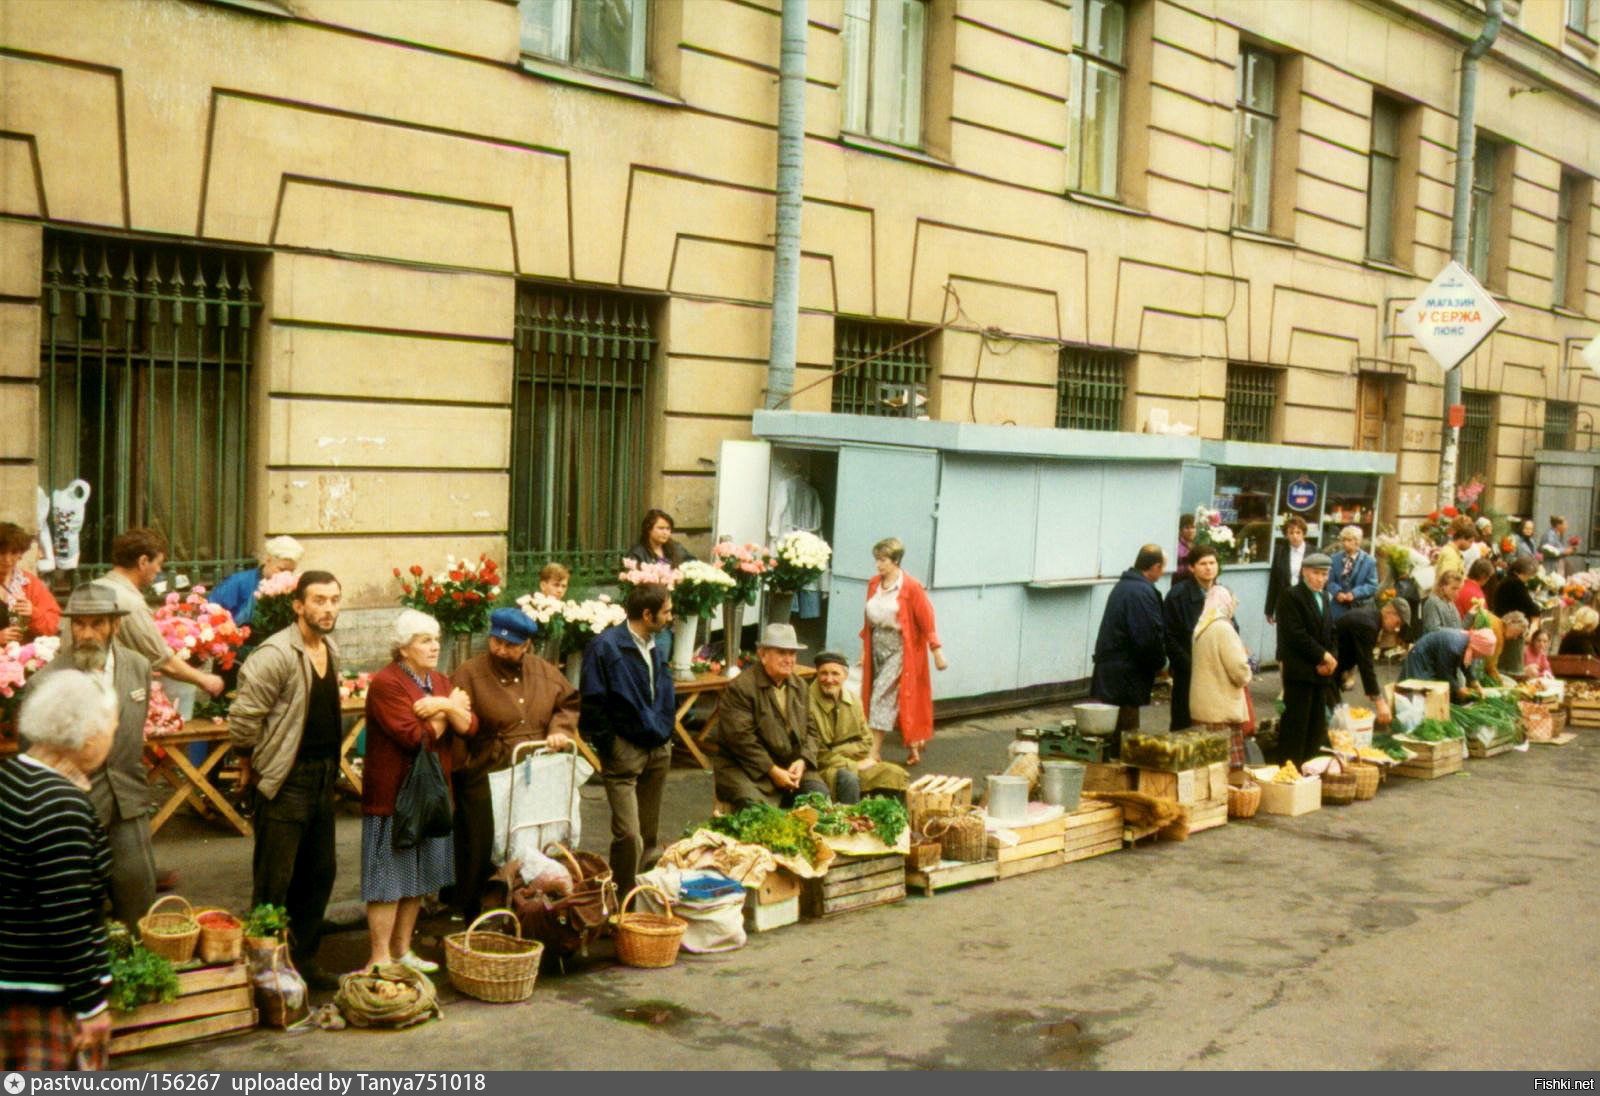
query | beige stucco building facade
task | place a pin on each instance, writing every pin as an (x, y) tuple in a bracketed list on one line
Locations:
[(395, 176)]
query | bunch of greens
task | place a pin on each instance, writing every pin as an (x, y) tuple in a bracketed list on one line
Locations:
[(138, 976), (1389, 745), (884, 817), (1433, 730), (1491, 720), (267, 920), (766, 825)]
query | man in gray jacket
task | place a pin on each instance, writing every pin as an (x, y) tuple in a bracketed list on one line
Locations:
[(286, 723), (120, 790)]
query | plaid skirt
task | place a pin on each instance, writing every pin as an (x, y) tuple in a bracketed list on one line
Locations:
[(41, 1037)]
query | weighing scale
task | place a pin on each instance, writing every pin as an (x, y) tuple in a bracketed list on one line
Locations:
[(1068, 743)]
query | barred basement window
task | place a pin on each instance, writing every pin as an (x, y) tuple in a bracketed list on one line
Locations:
[(579, 406), (145, 374), (1090, 387), (1250, 403), (1559, 417), (880, 369), (1472, 451)]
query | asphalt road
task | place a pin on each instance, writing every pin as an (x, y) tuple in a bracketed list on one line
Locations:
[(1447, 924)]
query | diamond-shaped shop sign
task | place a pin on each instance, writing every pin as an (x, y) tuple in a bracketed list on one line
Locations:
[(1452, 316)]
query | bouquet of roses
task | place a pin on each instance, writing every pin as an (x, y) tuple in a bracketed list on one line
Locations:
[(1208, 529), (198, 629), (745, 564), (458, 597), (162, 715), (274, 609), (581, 621), (353, 686), (798, 559), (1437, 526), (634, 573), (19, 662), (702, 588)]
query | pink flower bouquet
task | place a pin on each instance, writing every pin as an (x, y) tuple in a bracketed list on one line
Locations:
[(648, 574), (199, 630)]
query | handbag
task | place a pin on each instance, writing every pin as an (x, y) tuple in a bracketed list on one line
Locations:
[(1249, 712), (422, 808)]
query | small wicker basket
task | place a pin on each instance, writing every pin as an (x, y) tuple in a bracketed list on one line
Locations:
[(961, 836), (493, 966), (172, 936), (1244, 800), (926, 852), (1367, 777), (648, 940), (220, 943), (1338, 788)]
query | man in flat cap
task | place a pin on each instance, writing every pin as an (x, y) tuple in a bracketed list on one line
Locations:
[(120, 790), (768, 743), (1306, 648), (519, 697), (846, 754)]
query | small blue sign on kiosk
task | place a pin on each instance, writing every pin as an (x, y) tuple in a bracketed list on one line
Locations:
[(1301, 495)]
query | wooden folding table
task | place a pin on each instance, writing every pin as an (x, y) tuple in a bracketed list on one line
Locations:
[(168, 758)]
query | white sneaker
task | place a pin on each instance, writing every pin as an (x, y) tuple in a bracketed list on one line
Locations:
[(418, 963)]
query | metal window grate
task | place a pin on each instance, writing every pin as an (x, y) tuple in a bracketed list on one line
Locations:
[(1250, 403), (1559, 419), (144, 383), (579, 408), (1090, 388), (1472, 449), (880, 376)]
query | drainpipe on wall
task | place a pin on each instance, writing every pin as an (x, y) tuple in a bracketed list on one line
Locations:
[(1466, 151), (791, 180)]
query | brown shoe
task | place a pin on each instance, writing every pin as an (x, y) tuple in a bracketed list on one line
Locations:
[(166, 881)]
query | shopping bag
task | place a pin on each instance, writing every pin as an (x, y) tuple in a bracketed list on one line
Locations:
[(1249, 712), (710, 902), (422, 807), (535, 802)]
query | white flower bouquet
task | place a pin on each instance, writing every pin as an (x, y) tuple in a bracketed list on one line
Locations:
[(701, 589), (798, 559)]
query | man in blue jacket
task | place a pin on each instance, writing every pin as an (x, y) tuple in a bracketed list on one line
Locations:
[(1130, 649), (628, 717)]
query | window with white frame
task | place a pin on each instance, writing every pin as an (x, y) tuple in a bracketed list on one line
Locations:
[(885, 42), (1480, 222), (603, 35), (1098, 66), (1254, 138)]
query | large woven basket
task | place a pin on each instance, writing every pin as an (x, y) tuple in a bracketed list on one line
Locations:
[(1338, 788), (961, 836), (1244, 800), (172, 936), (493, 966), (648, 940), (1367, 777)]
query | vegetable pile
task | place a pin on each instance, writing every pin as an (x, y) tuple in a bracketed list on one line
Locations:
[(1434, 730), (1174, 752), (138, 976), (1489, 721), (766, 825), (884, 817)]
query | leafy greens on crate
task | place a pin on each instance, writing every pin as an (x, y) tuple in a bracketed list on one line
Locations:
[(884, 817)]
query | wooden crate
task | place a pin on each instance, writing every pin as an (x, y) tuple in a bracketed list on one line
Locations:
[(854, 883), (952, 873), (1433, 760), (1094, 829), (1208, 815), (933, 795), (1583, 713), (778, 886), (1028, 864), (1476, 749), (1100, 777), (1200, 785), (211, 1001)]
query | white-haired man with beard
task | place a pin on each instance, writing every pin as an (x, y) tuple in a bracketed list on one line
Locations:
[(120, 790)]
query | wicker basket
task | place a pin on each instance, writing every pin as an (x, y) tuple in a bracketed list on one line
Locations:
[(926, 852), (1244, 800), (1367, 777), (648, 939), (1338, 788), (961, 836), (492, 966), (220, 943), (172, 936)]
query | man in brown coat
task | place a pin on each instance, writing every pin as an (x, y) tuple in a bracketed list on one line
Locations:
[(518, 697), (768, 743)]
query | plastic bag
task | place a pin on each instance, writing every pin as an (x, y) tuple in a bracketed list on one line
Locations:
[(422, 807), (716, 924), (1409, 711), (549, 875), (535, 803), (280, 992)]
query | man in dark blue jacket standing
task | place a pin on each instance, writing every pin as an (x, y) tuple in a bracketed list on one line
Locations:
[(1130, 649), (628, 717)]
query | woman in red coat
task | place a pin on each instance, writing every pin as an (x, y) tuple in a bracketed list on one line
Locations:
[(896, 639), (31, 611)]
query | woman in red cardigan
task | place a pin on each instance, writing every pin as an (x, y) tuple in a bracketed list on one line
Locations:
[(31, 610), (896, 639), (410, 707)]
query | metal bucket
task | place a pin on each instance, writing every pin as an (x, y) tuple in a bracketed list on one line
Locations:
[(1062, 783), (1008, 798)]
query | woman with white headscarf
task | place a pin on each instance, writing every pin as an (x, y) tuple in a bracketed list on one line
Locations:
[(411, 707), (1221, 673)]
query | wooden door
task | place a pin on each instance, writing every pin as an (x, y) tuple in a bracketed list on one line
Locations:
[(1380, 421)]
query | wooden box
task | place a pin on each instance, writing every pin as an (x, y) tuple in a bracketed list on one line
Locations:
[(779, 886), (211, 1001), (1209, 814), (933, 795), (854, 883), (1567, 666), (952, 873), (1476, 749), (1094, 829), (1432, 760), (765, 916), (1098, 777), (1038, 846), (1435, 696), (1290, 800), (1200, 785)]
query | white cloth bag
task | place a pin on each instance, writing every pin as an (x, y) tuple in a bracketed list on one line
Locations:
[(714, 925), (536, 802)]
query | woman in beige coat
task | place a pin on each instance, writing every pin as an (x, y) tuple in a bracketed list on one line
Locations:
[(1221, 672)]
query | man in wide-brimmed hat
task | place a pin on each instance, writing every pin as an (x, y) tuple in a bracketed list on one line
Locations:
[(120, 790), (768, 742)]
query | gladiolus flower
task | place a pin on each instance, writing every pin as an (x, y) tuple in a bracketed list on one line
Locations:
[(416, 569)]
